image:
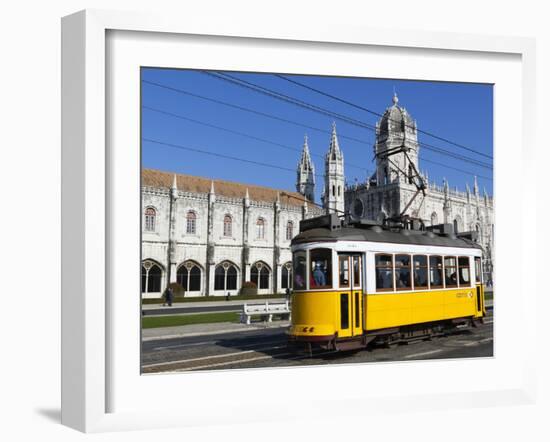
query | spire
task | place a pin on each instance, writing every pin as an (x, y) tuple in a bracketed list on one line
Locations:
[(305, 160), (246, 200), (305, 176), (334, 148), (476, 188), (212, 193), (395, 100), (446, 202), (334, 176), (174, 188)]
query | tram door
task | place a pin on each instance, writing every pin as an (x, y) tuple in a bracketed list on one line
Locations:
[(350, 295)]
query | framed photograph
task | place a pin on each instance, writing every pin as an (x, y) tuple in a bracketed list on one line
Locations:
[(284, 222)]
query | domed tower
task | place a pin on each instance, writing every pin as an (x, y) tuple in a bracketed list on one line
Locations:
[(396, 134), (305, 180), (334, 176)]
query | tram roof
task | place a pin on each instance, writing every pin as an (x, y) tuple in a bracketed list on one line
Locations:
[(384, 236)]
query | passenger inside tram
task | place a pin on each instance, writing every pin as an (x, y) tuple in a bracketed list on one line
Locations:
[(319, 277)]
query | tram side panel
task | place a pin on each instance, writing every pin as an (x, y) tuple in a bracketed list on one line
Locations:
[(399, 308)]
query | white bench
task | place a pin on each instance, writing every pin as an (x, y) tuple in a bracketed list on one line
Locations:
[(265, 309)]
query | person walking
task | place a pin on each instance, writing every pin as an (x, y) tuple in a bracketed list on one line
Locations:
[(169, 295)]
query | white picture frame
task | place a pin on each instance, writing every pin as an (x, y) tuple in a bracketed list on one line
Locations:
[(91, 316)]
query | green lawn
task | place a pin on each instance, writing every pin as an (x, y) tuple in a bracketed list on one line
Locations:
[(214, 298), (201, 318)]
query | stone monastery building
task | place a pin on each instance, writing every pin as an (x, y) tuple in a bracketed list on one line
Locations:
[(210, 236)]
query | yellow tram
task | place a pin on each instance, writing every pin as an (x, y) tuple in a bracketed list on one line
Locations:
[(357, 283)]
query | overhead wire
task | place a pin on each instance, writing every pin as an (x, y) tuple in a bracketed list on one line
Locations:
[(263, 114), (253, 137), (286, 98), (178, 90), (326, 94), (249, 110), (219, 155)]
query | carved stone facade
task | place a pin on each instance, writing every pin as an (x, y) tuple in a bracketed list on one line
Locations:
[(390, 189), (211, 236)]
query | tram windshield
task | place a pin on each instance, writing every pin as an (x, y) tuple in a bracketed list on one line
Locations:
[(318, 272), (320, 269)]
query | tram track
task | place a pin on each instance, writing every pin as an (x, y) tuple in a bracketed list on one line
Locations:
[(264, 351), (279, 355)]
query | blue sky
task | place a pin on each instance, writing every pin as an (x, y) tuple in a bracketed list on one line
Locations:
[(459, 112)]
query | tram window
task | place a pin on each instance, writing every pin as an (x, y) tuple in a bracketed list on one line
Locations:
[(403, 272), (478, 269), (357, 271), (321, 269), (450, 272), (343, 264), (436, 272), (300, 267), (464, 271), (420, 264), (384, 273)]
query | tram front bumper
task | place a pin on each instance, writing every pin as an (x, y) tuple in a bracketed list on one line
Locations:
[(311, 333)]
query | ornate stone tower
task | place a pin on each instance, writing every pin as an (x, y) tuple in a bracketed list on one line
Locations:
[(395, 129), (333, 200), (305, 180)]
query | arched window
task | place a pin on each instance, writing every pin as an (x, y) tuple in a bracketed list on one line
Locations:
[(151, 277), (358, 208), (339, 190), (260, 228), (189, 276), (150, 219), (479, 233), (259, 274), (434, 219), (227, 225), (191, 222), (289, 230), (225, 276), (286, 276), (411, 174), (457, 224), (386, 176), (333, 190)]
